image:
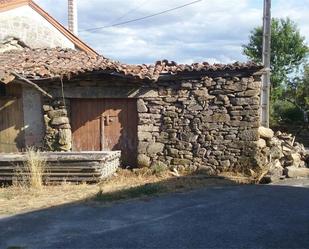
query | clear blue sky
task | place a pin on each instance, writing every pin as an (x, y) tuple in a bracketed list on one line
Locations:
[(211, 30)]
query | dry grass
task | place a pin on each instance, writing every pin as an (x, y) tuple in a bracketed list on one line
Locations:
[(30, 173), (126, 184)]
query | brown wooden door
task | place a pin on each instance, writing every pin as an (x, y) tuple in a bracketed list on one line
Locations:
[(105, 124), (11, 124)]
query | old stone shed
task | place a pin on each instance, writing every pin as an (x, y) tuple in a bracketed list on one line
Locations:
[(197, 115)]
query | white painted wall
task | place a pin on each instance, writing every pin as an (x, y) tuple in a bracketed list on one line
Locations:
[(29, 26)]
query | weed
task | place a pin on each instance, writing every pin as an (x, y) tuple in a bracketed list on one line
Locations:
[(158, 169), (30, 173)]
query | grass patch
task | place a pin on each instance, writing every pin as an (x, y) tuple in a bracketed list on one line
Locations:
[(149, 189), (127, 184)]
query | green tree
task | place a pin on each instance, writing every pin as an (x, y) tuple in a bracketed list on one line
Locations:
[(288, 51), (297, 93)]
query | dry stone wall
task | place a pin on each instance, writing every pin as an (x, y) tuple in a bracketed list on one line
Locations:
[(208, 124), (58, 134)]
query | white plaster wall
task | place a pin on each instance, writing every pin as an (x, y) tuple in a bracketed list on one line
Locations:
[(29, 26), (33, 117)]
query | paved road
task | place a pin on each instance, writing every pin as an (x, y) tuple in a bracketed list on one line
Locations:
[(223, 217)]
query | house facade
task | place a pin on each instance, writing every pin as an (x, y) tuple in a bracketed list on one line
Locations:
[(184, 116), (24, 20)]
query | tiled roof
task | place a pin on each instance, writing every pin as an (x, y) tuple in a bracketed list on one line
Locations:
[(55, 62)]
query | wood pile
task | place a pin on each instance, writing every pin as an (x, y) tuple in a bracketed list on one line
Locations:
[(285, 157), (63, 166)]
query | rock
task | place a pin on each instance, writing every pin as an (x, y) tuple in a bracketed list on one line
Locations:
[(155, 148), (46, 120), (265, 132), (181, 161), (207, 170), (293, 172), (59, 121), (194, 107), (141, 107), (144, 136), (158, 166), (57, 113), (276, 152), (142, 147), (261, 143), (64, 139), (47, 108), (173, 152), (220, 117), (249, 135), (275, 172), (186, 85), (225, 164), (143, 161), (65, 136), (249, 93), (296, 159)]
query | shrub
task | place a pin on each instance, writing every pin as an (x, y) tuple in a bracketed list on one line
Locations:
[(283, 111)]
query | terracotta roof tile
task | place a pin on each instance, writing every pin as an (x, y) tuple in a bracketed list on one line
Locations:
[(55, 62)]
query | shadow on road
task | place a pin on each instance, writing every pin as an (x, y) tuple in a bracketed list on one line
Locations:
[(220, 216)]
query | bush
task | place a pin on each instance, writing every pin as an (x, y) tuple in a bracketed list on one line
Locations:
[(283, 111)]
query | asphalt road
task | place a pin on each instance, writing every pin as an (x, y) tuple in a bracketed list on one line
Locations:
[(221, 217)]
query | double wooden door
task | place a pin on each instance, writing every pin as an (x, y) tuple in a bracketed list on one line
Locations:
[(105, 124)]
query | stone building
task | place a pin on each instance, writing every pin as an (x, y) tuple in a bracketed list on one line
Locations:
[(193, 116), (28, 23)]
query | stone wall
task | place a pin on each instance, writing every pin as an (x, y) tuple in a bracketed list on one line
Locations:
[(30, 27), (210, 124), (58, 134)]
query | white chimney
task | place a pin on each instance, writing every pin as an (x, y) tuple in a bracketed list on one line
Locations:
[(72, 16)]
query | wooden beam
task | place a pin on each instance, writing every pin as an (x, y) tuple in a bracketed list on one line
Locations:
[(32, 84)]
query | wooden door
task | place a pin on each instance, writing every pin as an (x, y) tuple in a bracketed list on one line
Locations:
[(11, 124), (105, 124)]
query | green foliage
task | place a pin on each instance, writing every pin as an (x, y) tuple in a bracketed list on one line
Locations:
[(289, 53), (288, 49), (285, 112)]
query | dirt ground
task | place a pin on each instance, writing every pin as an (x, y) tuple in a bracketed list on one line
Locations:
[(125, 184)]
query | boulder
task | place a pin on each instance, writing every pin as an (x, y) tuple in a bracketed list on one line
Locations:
[(261, 143), (141, 107), (65, 136), (57, 113), (143, 161), (275, 172), (265, 132), (155, 148), (60, 121), (294, 172), (207, 170), (296, 159)]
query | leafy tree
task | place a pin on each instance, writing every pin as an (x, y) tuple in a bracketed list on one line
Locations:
[(297, 93), (288, 50)]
